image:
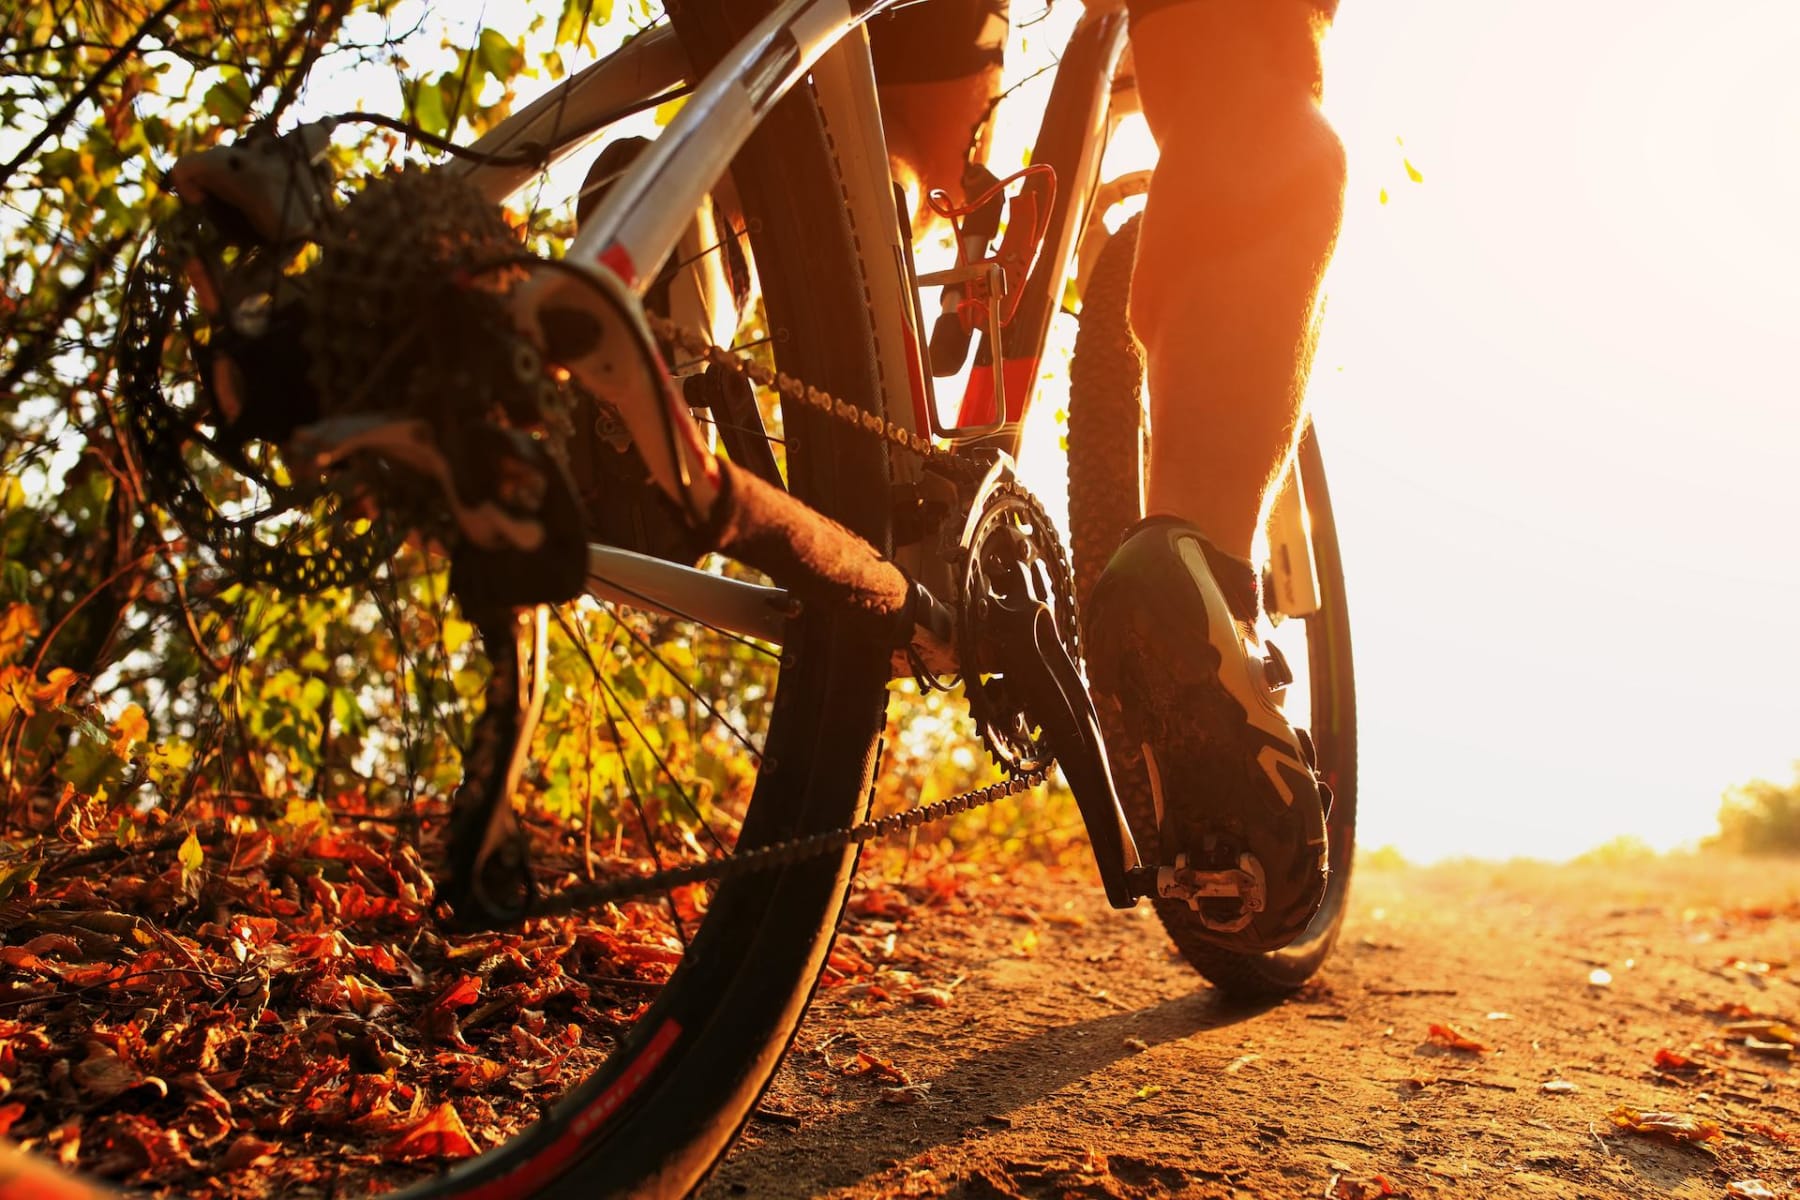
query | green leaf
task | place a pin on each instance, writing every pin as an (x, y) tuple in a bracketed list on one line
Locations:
[(569, 26), (190, 854), (428, 109), (13, 879), (90, 764), (228, 99), (497, 56)]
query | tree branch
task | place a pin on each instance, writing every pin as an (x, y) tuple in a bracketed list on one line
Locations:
[(67, 113)]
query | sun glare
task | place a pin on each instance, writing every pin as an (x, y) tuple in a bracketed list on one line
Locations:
[(1555, 389)]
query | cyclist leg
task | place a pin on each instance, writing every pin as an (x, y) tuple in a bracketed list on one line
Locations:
[(1242, 215), (938, 66)]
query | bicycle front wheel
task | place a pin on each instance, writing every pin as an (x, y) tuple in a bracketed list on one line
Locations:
[(1107, 441)]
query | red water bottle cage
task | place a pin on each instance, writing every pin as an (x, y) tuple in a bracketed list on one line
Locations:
[(1027, 222)]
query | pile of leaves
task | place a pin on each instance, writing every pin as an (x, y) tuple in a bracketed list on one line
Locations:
[(227, 1010)]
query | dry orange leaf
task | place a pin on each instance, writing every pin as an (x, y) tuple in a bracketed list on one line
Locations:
[(1455, 1039), (1750, 1189), (1668, 1060), (440, 1134), (465, 991), (1373, 1188), (1678, 1127), (1762, 1031)]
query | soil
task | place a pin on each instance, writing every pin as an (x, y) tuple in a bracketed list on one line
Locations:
[(1074, 1055)]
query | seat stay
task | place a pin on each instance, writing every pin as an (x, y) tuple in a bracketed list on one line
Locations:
[(572, 114)]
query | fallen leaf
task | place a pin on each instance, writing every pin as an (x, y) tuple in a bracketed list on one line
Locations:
[(1374, 1187), (192, 857), (440, 1134), (911, 1093), (1678, 1127), (460, 994), (1673, 1063), (1750, 1189), (1769, 1049), (248, 1150), (931, 997), (867, 1064), (1453, 1038), (1762, 1031), (1136, 1043), (1149, 1090), (1559, 1087)]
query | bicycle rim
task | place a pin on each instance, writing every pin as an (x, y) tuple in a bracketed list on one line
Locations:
[(1106, 461)]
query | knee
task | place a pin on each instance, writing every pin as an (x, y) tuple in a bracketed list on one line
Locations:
[(1251, 203)]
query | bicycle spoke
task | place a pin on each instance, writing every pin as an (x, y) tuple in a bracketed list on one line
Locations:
[(650, 747), (743, 739)]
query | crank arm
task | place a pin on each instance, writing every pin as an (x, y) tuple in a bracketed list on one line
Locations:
[(1031, 654)]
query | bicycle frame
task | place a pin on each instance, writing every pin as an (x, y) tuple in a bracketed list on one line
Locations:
[(645, 213)]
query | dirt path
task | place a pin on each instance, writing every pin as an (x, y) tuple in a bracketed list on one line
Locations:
[(1077, 1058)]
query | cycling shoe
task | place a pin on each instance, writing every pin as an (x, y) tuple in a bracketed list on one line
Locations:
[(1177, 674)]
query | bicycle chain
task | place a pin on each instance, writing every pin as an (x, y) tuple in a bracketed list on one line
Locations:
[(936, 457), (781, 854), (807, 846)]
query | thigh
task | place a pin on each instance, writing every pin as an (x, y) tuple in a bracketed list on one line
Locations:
[(1217, 61), (939, 40)]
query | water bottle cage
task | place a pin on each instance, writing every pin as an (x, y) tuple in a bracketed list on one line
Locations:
[(1028, 220)]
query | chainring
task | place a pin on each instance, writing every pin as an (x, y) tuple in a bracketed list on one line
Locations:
[(1012, 739)]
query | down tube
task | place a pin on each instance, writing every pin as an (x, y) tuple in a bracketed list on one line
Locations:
[(1071, 139), (638, 224)]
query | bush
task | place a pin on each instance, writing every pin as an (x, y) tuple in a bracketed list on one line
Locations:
[(1761, 818)]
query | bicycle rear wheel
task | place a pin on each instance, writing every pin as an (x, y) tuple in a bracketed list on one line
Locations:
[(1107, 439), (685, 1070), (671, 1100)]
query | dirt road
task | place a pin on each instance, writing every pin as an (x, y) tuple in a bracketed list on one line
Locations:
[(1074, 1056)]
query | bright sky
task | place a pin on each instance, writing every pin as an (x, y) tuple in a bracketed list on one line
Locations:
[(1557, 395)]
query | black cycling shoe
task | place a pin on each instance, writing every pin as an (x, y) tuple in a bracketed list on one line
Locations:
[(1173, 668)]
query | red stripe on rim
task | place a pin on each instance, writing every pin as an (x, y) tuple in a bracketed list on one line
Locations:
[(550, 1161)]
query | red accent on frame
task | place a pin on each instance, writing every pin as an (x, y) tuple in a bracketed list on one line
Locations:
[(978, 397), (550, 1161), (915, 379), (617, 259)]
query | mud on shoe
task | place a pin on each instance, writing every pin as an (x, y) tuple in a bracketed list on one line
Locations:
[(1175, 672)]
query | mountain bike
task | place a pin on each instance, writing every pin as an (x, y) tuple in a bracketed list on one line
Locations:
[(393, 369)]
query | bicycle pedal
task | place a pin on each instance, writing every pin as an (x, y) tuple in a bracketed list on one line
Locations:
[(1199, 889)]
